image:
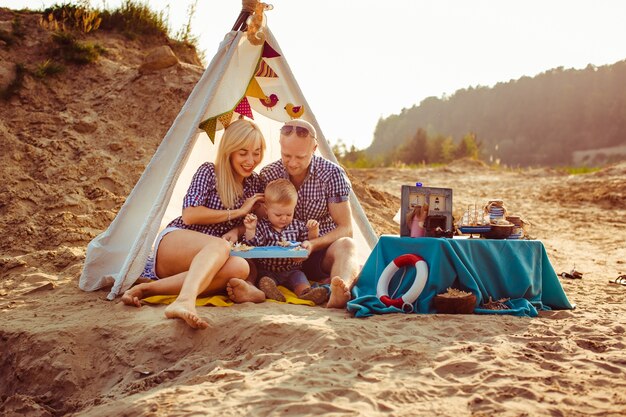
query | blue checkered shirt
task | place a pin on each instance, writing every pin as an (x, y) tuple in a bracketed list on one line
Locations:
[(266, 235), (326, 183), (203, 192)]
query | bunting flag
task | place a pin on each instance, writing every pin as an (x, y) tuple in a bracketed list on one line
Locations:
[(209, 126), (244, 109), (225, 119), (265, 70), (254, 90), (269, 52)]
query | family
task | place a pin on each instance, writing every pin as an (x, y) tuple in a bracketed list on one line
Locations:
[(301, 197)]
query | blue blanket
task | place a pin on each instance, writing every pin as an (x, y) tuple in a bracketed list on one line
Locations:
[(516, 269)]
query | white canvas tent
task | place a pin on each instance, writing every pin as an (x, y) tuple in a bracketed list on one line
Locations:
[(238, 78)]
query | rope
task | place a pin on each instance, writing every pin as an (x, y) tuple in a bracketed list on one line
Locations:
[(248, 6)]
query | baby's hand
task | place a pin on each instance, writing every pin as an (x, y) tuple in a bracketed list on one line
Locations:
[(250, 221), (312, 225)]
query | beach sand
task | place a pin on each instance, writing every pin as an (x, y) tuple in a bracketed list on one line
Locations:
[(72, 149)]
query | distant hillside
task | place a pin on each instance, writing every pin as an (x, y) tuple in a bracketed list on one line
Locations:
[(539, 120)]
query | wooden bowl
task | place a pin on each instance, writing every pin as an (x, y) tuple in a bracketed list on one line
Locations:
[(499, 231), (455, 305)]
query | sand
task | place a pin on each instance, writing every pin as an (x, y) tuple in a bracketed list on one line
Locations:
[(72, 149)]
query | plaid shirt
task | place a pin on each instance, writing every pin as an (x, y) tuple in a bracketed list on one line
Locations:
[(326, 183), (266, 235), (203, 192)]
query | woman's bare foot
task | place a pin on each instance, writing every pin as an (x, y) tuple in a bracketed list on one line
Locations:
[(181, 310), (133, 296), (269, 288), (318, 295), (241, 291), (339, 294)]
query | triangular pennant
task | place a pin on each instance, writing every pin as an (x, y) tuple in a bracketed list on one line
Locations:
[(244, 109), (254, 90), (209, 126), (225, 119), (265, 70), (269, 52)]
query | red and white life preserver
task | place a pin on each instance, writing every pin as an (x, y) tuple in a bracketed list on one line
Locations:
[(405, 302)]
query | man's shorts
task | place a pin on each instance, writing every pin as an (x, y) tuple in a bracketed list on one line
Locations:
[(312, 267)]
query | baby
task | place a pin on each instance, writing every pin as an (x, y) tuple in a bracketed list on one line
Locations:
[(280, 226)]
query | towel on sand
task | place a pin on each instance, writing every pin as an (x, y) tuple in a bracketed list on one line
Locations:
[(224, 301)]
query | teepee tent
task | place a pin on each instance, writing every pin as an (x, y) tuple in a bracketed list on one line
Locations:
[(249, 77)]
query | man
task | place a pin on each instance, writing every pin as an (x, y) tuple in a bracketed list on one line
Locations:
[(323, 191)]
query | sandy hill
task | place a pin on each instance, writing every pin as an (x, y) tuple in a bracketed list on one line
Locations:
[(74, 144)]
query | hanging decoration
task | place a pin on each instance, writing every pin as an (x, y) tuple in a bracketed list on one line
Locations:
[(225, 119), (244, 109), (265, 70), (270, 101), (254, 90), (269, 52), (209, 126), (294, 111)]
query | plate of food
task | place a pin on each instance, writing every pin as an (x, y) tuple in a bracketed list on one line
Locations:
[(285, 250)]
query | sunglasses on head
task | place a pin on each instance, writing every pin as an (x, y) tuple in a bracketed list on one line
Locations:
[(301, 132)]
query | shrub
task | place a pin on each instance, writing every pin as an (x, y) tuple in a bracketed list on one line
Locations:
[(579, 170), (48, 68), (134, 18), (69, 16), (74, 51)]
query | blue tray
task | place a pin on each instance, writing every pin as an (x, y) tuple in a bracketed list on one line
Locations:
[(271, 252)]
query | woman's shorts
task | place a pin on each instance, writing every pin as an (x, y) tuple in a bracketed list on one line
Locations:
[(149, 270)]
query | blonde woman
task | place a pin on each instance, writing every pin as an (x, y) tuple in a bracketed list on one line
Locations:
[(192, 254)]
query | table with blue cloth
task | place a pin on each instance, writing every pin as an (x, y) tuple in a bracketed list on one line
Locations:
[(515, 269)]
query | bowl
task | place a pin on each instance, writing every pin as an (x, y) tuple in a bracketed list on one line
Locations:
[(454, 305), (499, 231)]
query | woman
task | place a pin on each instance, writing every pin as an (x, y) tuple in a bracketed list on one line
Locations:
[(192, 254)]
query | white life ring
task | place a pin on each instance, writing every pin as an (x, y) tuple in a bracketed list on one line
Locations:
[(405, 302)]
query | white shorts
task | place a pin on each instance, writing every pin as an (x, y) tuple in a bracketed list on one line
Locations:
[(149, 270)]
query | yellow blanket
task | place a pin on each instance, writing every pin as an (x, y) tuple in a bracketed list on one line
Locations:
[(224, 301)]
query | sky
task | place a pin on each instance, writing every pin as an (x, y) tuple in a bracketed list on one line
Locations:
[(358, 61)]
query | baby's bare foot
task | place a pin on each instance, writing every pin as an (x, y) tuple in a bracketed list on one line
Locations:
[(180, 310), (318, 295), (133, 296), (269, 288), (339, 294), (241, 291)]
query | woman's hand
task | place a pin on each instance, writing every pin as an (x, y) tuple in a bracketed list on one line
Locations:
[(253, 202)]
